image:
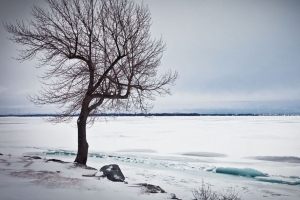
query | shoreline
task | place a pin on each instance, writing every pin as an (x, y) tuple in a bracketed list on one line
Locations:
[(64, 181)]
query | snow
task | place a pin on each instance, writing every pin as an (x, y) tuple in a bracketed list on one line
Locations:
[(39, 179), (258, 156)]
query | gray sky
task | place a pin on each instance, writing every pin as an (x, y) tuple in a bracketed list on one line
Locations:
[(231, 56)]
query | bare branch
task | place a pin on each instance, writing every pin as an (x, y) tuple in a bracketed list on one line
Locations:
[(99, 56)]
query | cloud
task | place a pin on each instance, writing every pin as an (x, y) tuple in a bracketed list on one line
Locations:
[(23, 92), (228, 54), (184, 102), (2, 89)]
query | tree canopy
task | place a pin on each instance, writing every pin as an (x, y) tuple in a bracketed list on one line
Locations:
[(97, 49), (98, 56)]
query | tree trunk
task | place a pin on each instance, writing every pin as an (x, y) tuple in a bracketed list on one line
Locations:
[(83, 146)]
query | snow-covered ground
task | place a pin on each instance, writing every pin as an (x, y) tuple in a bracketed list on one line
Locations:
[(257, 156)]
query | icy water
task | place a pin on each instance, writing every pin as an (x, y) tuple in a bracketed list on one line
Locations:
[(263, 149)]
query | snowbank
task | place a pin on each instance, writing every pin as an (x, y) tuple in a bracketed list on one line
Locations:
[(35, 179)]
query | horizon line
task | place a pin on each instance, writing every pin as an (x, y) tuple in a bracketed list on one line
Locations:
[(153, 114)]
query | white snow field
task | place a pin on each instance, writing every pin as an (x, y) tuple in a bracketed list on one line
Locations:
[(259, 157)]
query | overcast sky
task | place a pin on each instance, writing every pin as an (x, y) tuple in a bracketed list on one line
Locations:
[(231, 56)]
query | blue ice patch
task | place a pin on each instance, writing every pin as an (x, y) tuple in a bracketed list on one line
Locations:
[(248, 172), (280, 180)]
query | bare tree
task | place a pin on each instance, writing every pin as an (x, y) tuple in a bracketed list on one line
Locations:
[(99, 57)]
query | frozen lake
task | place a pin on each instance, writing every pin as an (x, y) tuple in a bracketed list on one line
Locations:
[(214, 147)]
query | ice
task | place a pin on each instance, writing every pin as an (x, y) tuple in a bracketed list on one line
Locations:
[(176, 152), (61, 152), (209, 169), (204, 154), (240, 172), (235, 137), (290, 159), (280, 180), (190, 166)]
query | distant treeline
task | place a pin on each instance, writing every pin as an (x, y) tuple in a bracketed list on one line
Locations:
[(147, 114)]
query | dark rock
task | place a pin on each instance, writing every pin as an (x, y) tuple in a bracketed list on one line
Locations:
[(152, 188), (89, 175), (35, 157), (173, 196), (1, 154), (113, 173), (56, 160)]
